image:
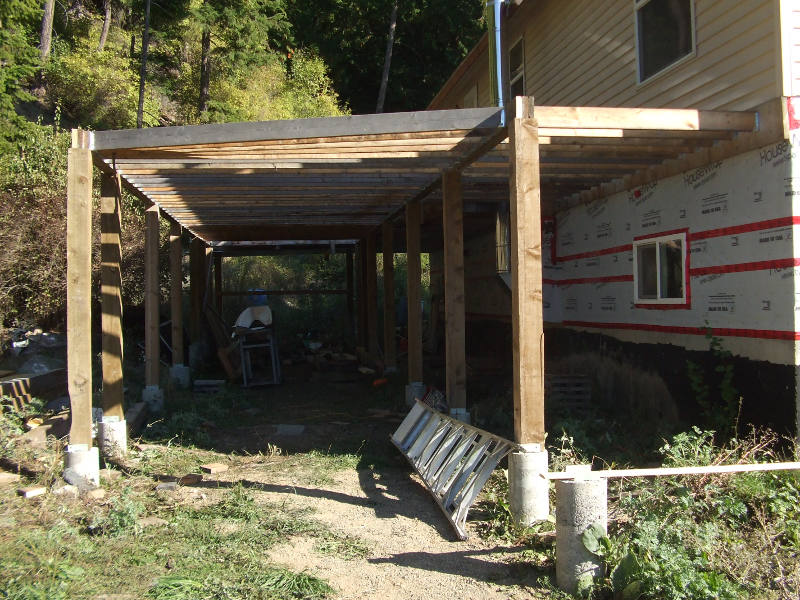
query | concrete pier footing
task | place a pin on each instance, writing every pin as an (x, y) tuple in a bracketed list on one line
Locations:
[(580, 503), (528, 491), (153, 397), (112, 436), (181, 375), (84, 461)]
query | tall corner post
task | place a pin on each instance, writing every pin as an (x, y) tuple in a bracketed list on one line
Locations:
[(361, 292), (455, 355), (81, 457), (178, 372), (389, 345), (198, 273), (370, 256), (351, 326), (112, 431), (152, 394), (415, 387), (528, 491)]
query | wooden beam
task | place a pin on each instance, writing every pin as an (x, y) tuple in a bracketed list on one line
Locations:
[(592, 117), (349, 292), (111, 295), (176, 292), (455, 357), (526, 277), (414, 293), (421, 121), (371, 296), (389, 342), (152, 297), (79, 288)]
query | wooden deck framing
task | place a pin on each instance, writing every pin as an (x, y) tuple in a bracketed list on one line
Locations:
[(345, 178)]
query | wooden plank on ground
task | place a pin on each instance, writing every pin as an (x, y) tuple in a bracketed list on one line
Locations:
[(111, 294), (79, 287), (526, 275), (414, 274)]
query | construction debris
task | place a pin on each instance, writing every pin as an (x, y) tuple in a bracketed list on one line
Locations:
[(6, 477), (190, 479), (96, 494), (214, 468), (32, 491)]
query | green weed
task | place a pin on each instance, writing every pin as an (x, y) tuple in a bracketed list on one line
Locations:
[(345, 547)]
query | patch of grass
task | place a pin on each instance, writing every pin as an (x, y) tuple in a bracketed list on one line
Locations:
[(345, 547), (121, 519)]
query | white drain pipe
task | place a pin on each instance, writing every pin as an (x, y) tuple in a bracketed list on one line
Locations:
[(496, 48)]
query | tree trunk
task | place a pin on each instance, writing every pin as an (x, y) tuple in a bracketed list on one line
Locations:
[(387, 59), (143, 68), (205, 68), (106, 24), (46, 36)]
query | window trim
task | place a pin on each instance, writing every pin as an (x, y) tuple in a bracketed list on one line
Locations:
[(663, 303), (638, 4), (521, 75)]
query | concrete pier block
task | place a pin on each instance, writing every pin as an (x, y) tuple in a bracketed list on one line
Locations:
[(528, 491), (84, 461), (181, 375), (580, 503), (153, 397), (112, 436)]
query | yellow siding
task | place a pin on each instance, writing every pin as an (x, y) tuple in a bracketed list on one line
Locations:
[(582, 53)]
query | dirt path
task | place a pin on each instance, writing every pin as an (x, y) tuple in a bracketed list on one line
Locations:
[(412, 551)]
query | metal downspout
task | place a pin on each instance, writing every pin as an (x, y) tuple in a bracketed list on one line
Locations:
[(498, 57)]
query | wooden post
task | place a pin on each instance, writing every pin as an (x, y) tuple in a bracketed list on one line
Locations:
[(361, 288), (218, 283), (349, 288), (389, 346), (453, 220), (197, 284), (111, 295), (79, 287), (413, 219), (526, 276), (176, 292), (151, 298), (371, 296)]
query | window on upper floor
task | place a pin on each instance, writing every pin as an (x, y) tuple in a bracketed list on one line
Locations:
[(659, 269), (516, 70), (664, 34)]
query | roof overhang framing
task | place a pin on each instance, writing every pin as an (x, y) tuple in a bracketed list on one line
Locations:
[(342, 177)]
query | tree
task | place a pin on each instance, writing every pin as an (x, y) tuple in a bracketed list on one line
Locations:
[(19, 58), (46, 35), (433, 37), (106, 25), (387, 61), (243, 31), (143, 65)]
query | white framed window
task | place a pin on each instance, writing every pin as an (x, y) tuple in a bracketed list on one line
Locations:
[(660, 270), (516, 70), (665, 35)]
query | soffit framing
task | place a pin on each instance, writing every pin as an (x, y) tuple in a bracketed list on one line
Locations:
[(342, 177)]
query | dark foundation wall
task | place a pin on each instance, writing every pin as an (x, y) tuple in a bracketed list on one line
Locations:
[(653, 380)]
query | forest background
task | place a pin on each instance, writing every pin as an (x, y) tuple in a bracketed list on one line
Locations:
[(111, 64)]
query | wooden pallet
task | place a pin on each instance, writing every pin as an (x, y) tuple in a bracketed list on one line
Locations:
[(573, 392), (22, 387)]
